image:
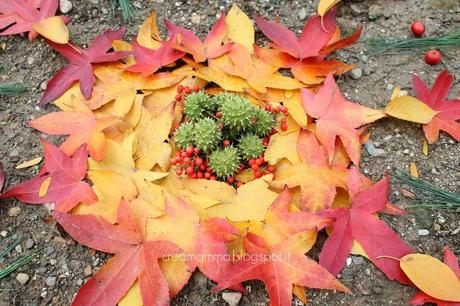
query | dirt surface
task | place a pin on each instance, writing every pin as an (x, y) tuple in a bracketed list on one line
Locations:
[(56, 277)]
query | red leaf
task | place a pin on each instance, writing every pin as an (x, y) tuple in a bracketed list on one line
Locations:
[(66, 187), (279, 268), (358, 223), (22, 14), (186, 41), (312, 40), (437, 99), (149, 61), (80, 67), (422, 298)]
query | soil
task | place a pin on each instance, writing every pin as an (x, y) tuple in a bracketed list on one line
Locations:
[(71, 264)]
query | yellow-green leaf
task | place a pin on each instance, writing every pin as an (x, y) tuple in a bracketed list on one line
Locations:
[(410, 109), (240, 28)]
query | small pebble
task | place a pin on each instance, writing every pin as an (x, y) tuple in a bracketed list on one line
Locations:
[(423, 232), (349, 261), (29, 243), (406, 151), (441, 220), (14, 211), (435, 171), (372, 150), (3, 233), (53, 262), (232, 298), (65, 6), (367, 271), (357, 260), (22, 278), (18, 248), (51, 281), (79, 282), (436, 227), (44, 294), (302, 13), (195, 18), (87, 271), (356, 73)]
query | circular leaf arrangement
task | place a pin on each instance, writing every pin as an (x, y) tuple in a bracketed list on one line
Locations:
[(202, 155)]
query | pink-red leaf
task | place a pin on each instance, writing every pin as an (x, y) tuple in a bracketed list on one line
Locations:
[(80, 67), (66, 187)]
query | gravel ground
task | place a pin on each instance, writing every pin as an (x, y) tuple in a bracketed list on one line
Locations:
[(56, 277)]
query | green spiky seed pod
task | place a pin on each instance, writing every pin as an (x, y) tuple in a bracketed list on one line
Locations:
[(250, 146), (237, 113), (265, 121), (184, 136), (207, 134), (196, 105), (225, 162)]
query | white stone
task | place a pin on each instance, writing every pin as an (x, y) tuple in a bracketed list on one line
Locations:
[(349, 261), (356, 73), (232, 298), (14, 211), (195, 18), (423, 232), (22, 278), (65, 6)]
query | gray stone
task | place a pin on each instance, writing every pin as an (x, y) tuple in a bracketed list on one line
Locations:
[(355, 11), (423, 232), (356, 73), (375, 11), (79, 282), (22, 278), (436, 227), (18, 248), (357, 260), (302, 13), (51, 281), (372, 150), (29, 243), (94, 1), (195, 18), (65, 6), (232, 298), (14, 211)]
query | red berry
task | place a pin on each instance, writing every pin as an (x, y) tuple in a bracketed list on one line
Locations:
[(417, 28), (207, 175), (190, 150), (226, 142), (184, 154), (251, 162), (178, 98), (194, 176), (231, 180), (187, 90), (187, 160), (218, 115), (432, 57), (173, 161), (196, 88), (202, 168), (284, 127), (180, 88), (284, 120), (261, 160), (239, 184), (270, 169), (255, 167), (198, 161), (190, 170), (257, 174), (283, 109), (178, 172), (176, 125), (213, 178), (196, 151), (209, 169), (200, 174)]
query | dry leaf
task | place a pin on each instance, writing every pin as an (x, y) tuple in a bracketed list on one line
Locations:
[(326, 5), (44, 187), (410, 109), (413, 170), (29, 163), (239, 28), (54, 29)]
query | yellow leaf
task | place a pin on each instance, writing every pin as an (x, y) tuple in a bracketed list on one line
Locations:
[(413, 170), (326, 5), (299, 292), (148, 35), (29, 163), (410, 109), (53, 28), (295, 108), (44, 187), (240, 28), (282, 146), (132, 297), (107, 208), (425, 147), (395, 92), (431, 276)]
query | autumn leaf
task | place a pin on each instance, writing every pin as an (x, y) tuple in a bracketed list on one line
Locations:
[(279, 267), (32, 16), (2, 177), (64, 175), (148, 61), (81, 65), (325, 5), (410, 109), (186, 41), (421, 298), (148, 35), (317, 181), (336, 117), (239, 28), (437, 99), (135, 259), (83, 128), (358, 223)]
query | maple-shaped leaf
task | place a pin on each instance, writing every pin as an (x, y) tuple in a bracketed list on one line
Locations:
[(135, 259), (186, 41), (316, 179), (148, 61), (305, 55), (82, 126), (422, 298), (22, 15), (359, 223), (279, 267), (258, 74), (336, 117), (437, 99), (81, 65), (64, 176)]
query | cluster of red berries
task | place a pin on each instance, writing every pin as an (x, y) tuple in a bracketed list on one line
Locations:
[(183, 91), (259, 168), (190, 163), (280, 109)]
